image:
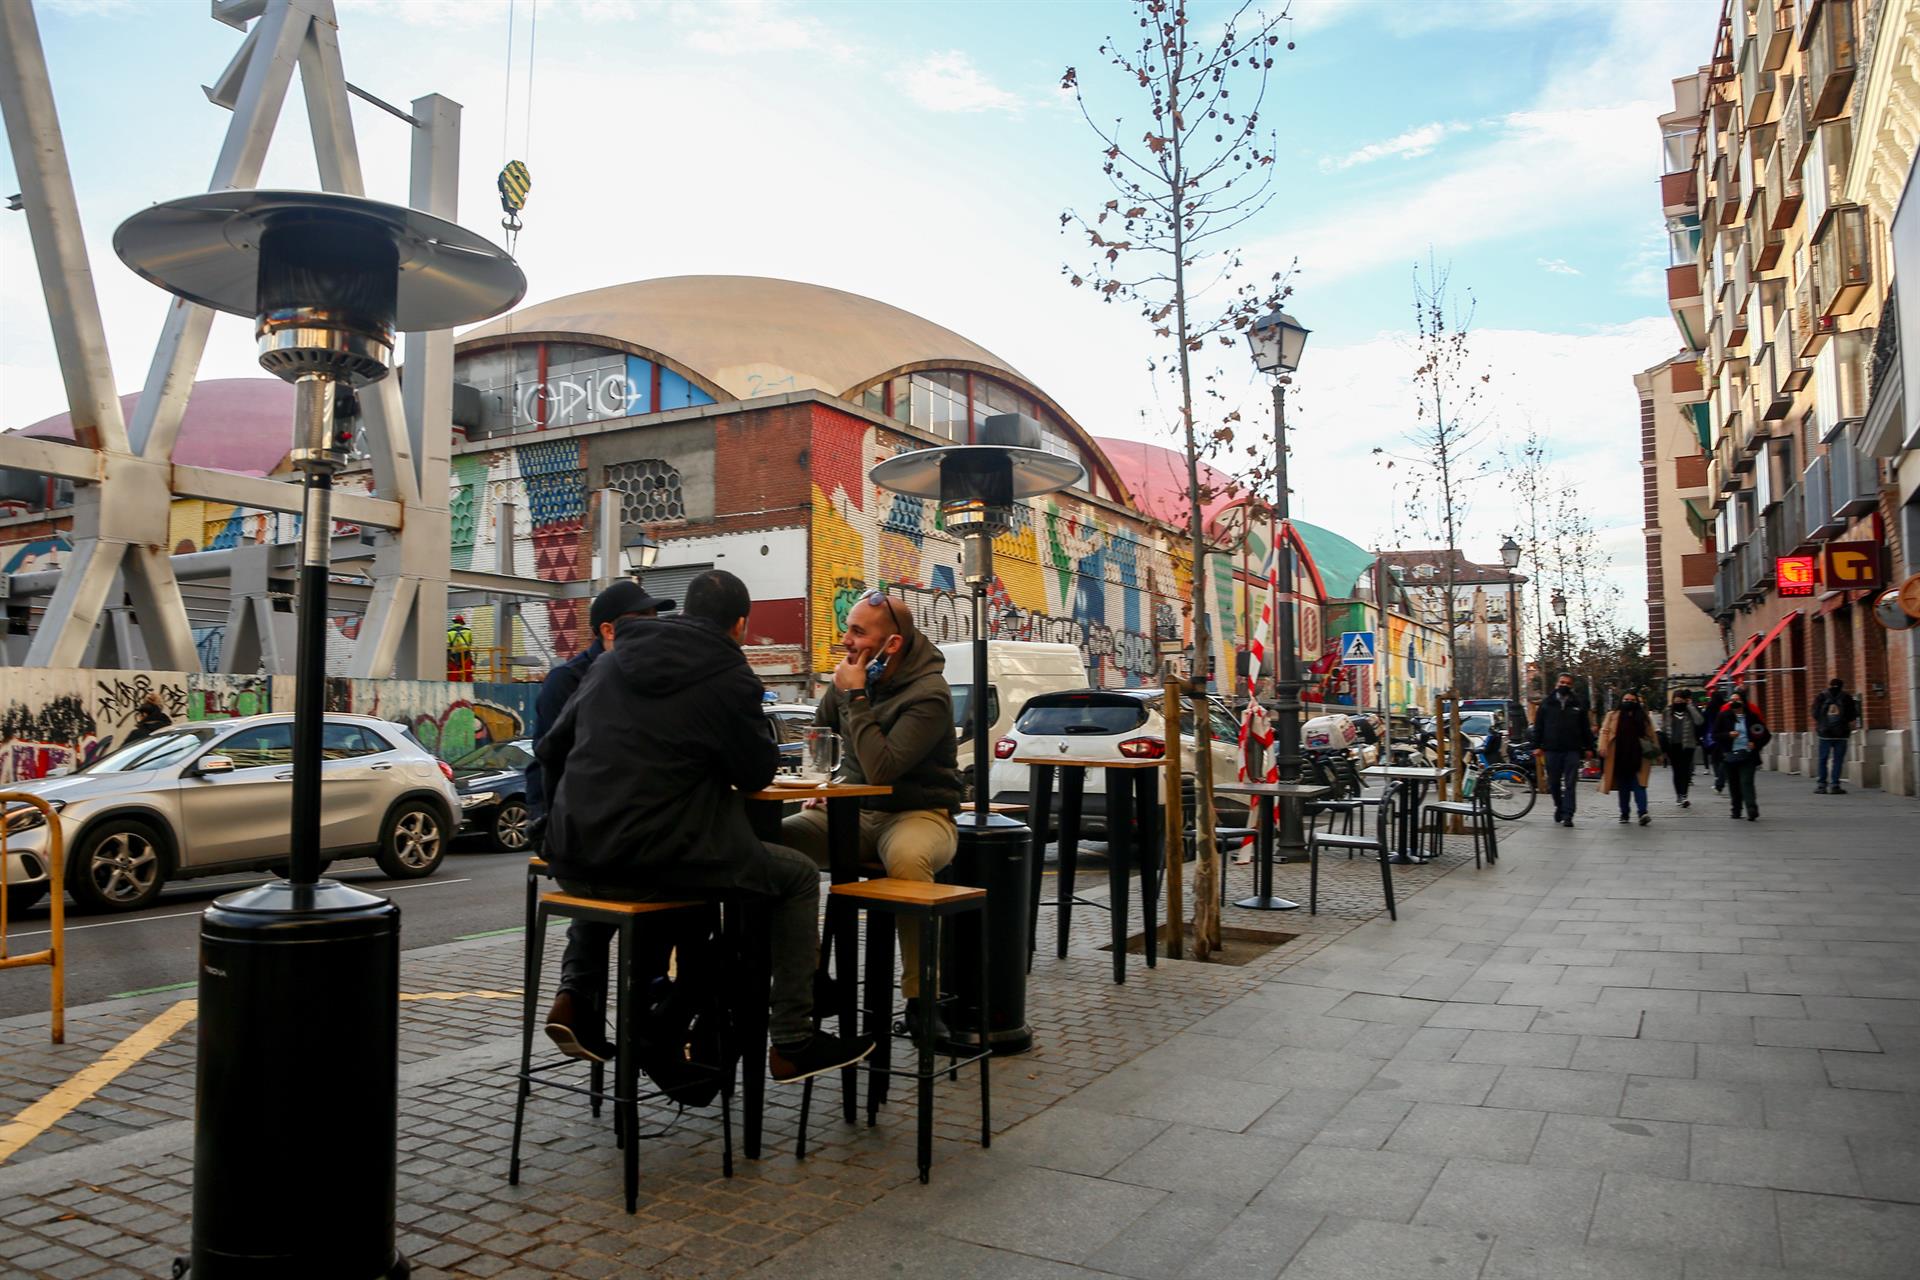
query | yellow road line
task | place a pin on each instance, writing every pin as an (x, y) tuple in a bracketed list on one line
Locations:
[(83, 1084), (460, 995)]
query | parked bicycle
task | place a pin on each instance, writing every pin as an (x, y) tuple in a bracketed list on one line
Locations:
[(1512, 783)]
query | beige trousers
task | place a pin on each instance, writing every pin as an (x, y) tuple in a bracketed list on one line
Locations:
[(914, 845)]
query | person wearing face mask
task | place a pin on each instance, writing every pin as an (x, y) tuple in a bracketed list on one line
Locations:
[(1627, 746), (1680, 734), (1741, 733), (893, 709), (1710, 736), (1562, 738)]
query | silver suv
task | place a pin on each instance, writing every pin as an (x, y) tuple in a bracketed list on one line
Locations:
[(213, 796)]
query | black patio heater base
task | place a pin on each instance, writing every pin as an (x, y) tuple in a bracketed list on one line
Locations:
[(994, 857), (295, 1111)]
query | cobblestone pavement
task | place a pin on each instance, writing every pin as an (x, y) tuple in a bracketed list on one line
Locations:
[(1678, 1051)]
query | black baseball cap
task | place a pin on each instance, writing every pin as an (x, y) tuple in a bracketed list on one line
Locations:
[(622, 598)]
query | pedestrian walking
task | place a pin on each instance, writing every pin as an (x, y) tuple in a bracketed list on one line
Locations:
[(1628, 747), (1716, 752), (1562, 738), (1742, 732), (150, 719), (1681, 730), (1835, 715)]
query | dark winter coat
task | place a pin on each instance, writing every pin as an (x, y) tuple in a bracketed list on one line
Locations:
[(650, 763), (901, 733), (555, 692), (1845, 714), (1563, 724)]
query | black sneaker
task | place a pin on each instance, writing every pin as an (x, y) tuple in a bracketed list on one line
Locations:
[(1753, 815), (816, 1056), (1685, 803), (1836, 791), (1645, 819), (568, 1031), (1820, 790), (1623, 817)]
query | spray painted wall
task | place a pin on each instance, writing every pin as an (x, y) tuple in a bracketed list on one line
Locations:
[(54, 718), (1068, 572)]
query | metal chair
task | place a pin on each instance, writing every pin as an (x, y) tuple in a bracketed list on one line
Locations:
[(1477, 809), (1377, 842)]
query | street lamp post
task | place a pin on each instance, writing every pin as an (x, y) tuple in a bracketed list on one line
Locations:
[(1277, 340), (642, 553), (976, 486), (1510, 556), (299, 978), (1560, 616)]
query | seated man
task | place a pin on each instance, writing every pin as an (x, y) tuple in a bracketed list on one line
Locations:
[(647, 768), (894, 712)]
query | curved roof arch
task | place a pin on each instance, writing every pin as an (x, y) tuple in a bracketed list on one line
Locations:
[(230, 424), (741, 337)]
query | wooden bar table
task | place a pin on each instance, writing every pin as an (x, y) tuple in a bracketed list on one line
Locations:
[(1133, 835), (1406, 839), (1270, 795), (839, 944)]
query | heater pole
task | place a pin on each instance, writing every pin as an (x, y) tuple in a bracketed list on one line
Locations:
[(976, 565), (316, 459)]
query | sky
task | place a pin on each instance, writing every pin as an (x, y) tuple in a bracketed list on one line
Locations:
[(922, 154)]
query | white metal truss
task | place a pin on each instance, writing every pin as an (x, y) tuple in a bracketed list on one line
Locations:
[(125, 475)]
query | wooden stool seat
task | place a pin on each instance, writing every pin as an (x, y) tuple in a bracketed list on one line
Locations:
[(613, 905), (537, 865), (909, 894)]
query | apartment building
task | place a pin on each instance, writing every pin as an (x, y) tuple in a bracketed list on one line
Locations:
[(1787, 159), (1483, 633), (1682, 638)]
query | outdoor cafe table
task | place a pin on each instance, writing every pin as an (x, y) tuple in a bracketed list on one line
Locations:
[(764, 811), (1406, 837), (1134, 835), (1270, 795)]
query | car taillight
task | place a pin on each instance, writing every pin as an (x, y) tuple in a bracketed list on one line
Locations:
[(1143, 749), (446, 769), (1003, 749)]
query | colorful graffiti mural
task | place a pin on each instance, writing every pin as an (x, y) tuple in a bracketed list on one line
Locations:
[(62, 719), (1068, 571)]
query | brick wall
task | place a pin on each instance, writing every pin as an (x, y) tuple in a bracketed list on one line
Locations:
[(1650, 501)]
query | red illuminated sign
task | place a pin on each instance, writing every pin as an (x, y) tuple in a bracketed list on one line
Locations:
[(1793, 575)]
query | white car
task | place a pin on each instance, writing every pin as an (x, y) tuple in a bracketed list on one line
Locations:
[(213, 796), (1109, 724)]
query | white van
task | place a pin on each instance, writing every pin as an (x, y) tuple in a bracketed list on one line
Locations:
[(1016, 670)]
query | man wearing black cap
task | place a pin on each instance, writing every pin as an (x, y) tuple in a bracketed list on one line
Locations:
[(624, 599)]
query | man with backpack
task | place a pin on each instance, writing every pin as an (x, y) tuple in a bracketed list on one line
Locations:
[(1835, 713)]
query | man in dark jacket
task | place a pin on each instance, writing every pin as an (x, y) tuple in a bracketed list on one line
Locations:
[(1717, 698), (1835, 714), (621, 600), (1563, 737), (893, 709), (647, 769)]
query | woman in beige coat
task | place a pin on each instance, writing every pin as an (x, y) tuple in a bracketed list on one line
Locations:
[(1628, 746)]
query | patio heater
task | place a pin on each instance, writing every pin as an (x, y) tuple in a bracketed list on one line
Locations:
[(977, 486), (299, 979)]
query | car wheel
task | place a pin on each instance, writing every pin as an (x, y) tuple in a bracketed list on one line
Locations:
[(22, 898), (413, 841), (512, 828), (117, 867)]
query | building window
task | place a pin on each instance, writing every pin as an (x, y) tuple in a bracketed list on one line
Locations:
[(583, 383), (649, 491)]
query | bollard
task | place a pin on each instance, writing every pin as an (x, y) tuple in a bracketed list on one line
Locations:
[(297, 1086), (994, 856)]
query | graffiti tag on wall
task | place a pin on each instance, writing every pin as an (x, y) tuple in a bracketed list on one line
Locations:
[(945, 616)]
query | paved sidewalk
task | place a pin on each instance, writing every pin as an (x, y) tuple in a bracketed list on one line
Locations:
[(1690, 1050)]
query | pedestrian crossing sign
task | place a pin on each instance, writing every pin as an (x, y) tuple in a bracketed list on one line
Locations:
[(1356, 648)]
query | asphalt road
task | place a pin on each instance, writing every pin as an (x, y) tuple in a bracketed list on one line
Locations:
[(476, 890)]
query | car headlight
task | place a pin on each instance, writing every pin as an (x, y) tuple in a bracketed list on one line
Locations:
[(26, 817), (472, 798)]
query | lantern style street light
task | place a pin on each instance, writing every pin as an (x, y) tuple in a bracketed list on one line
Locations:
[(977, 486), (1510, 556), (641, 552), (1277, 340), (299, 979)]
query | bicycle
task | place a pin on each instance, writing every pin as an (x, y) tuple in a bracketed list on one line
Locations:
[(1513, 790)]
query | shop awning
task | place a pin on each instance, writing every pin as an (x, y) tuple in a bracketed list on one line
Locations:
[(1738, 654), (1761, 648)]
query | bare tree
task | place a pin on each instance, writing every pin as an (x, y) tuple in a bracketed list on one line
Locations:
[(1526, 463), (1189, 166)]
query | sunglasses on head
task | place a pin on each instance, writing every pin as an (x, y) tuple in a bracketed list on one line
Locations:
[(881, 598)]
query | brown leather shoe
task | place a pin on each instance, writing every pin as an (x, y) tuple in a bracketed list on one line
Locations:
[(576, 1041)]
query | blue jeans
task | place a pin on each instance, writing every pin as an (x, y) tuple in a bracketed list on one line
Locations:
[(1832, 750), (1633, 791), (1563, 777)]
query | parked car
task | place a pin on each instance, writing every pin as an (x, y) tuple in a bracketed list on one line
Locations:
[(213, 796), (1016, 671), (1109, 724), (492, 782), (790, 721)]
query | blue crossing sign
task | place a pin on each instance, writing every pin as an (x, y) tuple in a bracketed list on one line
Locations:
[(1356, 648)]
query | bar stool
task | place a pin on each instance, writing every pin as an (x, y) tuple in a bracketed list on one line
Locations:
[(625, 917), (537, 870), (928, 904)]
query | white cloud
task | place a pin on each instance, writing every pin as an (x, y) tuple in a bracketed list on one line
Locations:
[(1558, 266), (735, 27), (950, 82), (1406, 18), (1414, 142)]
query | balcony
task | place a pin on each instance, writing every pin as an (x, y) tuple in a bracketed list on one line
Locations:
[(1824, 173), (1844, 260), (1811, 327), (1880, 434), (1690, 472), (1698, 573), (1775, 32), (1831, 58), (1756, 85), (1793, 127), (1790, 521), (1686, 377), (1726, 188), (1817, 524), (1723, 591), (1840, 382), (1855, 480), (1679, 192)]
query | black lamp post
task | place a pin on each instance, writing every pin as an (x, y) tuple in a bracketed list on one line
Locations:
[(1559, 605), (299, 979), (976, 486), (1277, 340), (1510, 556), (642, 553)]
